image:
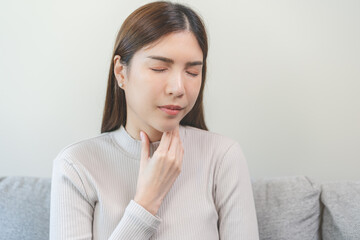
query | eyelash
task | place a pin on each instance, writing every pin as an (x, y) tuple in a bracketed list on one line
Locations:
[(162, 70)]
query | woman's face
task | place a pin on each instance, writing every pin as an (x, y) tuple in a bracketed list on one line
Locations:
[(168, 72)]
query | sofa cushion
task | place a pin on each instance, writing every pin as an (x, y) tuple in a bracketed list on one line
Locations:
[(24, 208), (287, 208), (341, 218)]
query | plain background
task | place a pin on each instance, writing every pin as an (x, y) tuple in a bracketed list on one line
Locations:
[(283, 80)]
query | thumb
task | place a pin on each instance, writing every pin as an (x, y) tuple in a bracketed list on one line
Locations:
[(144, 149)]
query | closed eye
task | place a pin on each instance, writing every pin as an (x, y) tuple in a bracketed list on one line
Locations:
[(162, 70), (193, 74), (158, 70)]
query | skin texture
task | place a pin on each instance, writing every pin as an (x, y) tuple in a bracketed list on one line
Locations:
[(158, 174), (146, 89), (148, 84)]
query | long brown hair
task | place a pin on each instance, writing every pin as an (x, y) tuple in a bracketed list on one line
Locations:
[(142, 27)]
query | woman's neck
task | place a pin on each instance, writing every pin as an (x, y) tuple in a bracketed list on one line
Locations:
[(134, 131)]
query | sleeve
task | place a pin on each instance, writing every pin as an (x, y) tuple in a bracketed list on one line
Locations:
[(234, 198), (71, 211)]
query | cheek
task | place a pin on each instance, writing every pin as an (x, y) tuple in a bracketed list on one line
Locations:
[(142, 88), (147, 96), (194, 89)]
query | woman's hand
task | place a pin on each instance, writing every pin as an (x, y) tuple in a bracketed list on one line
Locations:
[(157, 174)]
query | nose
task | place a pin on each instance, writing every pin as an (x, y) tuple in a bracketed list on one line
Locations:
[(175, 85)]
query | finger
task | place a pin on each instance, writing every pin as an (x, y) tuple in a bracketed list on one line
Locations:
[(175, 133), (175, 141), (145, 149), (165, 141), (176, 129), (181, 147), (180, 154)]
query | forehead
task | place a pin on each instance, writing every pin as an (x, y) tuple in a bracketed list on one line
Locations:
[(180, 46)]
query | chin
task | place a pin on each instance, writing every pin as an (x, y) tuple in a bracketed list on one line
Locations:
[(167, 127)]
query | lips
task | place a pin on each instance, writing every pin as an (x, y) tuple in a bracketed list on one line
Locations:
[(172, 107)]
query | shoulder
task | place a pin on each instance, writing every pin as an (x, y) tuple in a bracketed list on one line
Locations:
[(76, 163), (86, 148), (209, 139)]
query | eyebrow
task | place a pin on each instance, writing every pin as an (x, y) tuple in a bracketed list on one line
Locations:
[(168, 60)]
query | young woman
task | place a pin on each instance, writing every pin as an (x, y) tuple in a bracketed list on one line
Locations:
[(155, 171)]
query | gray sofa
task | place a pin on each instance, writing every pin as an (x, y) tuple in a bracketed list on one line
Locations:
[(288, 208)]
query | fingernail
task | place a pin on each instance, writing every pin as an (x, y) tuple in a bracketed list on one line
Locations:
[(141, 135)]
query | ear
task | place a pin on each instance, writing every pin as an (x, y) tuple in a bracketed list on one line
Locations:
[(119, 71)]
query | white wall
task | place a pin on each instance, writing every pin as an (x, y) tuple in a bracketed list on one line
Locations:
[(283, 80)]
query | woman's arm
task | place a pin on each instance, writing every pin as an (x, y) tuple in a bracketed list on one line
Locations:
[(234, 198), (72, 211)]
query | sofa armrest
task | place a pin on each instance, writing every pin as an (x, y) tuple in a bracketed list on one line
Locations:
[(24, 208), (288, 208)]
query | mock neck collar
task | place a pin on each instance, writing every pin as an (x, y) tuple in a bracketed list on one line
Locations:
[(133, 146)]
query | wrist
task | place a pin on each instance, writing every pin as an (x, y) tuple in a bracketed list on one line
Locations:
[(150, 207)]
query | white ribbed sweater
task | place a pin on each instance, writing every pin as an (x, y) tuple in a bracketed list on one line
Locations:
[(94, 183)]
